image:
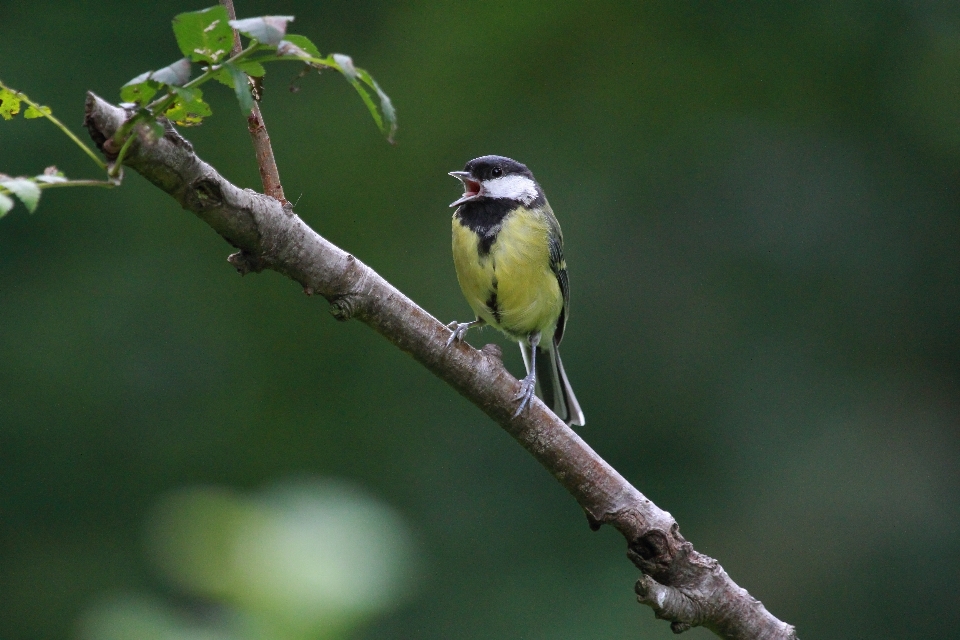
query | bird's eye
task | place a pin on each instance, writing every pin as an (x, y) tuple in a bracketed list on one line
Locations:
[(496, 172)]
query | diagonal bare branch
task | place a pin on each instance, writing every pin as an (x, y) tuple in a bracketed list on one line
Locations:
[(681, 585)]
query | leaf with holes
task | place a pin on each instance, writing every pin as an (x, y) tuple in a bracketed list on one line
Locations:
[(140, 92), (204, 36), (9, 104), (189, 109)]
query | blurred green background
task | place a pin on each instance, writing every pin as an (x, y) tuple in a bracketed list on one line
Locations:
[(761, 206)]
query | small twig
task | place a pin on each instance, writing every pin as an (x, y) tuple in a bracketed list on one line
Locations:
[(117, 168), (269, 174), (107, 184), (49, 116)]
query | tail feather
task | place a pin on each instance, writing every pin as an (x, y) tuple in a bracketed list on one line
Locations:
[(553, 387)]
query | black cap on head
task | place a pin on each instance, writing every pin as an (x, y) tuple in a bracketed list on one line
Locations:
[(492, 167)]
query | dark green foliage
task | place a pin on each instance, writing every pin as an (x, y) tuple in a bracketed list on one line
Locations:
[(205, 37)]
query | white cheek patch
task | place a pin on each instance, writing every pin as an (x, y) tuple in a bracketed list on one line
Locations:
[(514, 187)]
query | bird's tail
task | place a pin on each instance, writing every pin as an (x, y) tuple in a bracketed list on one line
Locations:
[(553, 387)]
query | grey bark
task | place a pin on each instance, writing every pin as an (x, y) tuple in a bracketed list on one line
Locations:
[(680, 584)]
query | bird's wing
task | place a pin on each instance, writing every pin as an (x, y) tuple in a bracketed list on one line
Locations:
[(559, 267)]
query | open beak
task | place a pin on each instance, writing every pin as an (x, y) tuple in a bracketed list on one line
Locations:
[(471, 188)]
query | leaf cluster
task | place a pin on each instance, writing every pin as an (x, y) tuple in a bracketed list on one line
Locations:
[(27, 189), (206, 37), (11, 101)]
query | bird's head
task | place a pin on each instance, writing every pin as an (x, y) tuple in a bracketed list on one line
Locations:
[(496, 177)]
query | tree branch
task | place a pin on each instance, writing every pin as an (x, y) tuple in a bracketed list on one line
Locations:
[(678, 583)]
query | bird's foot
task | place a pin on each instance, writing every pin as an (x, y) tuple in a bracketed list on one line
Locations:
[(459, 330), (527, 387)]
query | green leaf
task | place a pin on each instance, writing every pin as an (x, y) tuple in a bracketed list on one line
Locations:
[(204, 36), (9, 105), (189, 109), (140, 92), (5, 205), (36, 112), (26, 190), (346, 66), (176, 74), (386, 115), (386, 105), (145, 86), (287, 49), (224, 77), (301, 42), (242, 88), (143, 77), (268, 30), (252, 68)]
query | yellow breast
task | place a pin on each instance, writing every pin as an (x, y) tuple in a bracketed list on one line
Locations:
[(511, 287)]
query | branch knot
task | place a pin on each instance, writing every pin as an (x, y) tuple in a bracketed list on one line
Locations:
[(246, 263), (669, 603), (343, 307), (206, 194)]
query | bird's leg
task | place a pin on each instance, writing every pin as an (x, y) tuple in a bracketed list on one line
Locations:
[(529, 384), (460, 329)]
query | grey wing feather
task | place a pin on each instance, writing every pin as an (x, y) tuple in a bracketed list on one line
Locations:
[(559, 267)]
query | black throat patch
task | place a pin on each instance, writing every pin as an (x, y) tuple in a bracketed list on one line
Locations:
[(484, 218)]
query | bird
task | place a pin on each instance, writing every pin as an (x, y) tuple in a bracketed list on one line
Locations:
[(508, 254)]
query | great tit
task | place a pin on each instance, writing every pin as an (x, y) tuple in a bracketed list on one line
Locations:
[(508, 252)]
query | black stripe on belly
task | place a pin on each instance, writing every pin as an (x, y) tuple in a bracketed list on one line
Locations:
[(492, 302), (493, 307)]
